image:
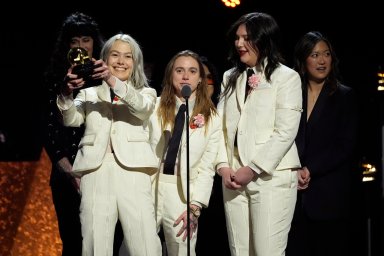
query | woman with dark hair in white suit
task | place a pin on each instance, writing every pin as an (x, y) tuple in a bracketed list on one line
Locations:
[(261, 108)]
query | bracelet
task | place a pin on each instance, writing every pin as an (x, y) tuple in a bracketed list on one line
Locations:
[(196, 211)]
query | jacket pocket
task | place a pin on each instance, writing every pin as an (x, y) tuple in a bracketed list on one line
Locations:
[(138, 136), (87, 140)]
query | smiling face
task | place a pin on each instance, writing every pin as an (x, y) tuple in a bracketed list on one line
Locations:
[(120, 60), (318, 63), (248, 55), (185, 71)]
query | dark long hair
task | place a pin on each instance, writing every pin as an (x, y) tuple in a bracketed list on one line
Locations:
[(304, 48), (76, 24), (264, 36)]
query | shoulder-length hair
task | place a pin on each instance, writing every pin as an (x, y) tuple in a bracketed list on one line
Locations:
[(138, 77), (203, 103), (304, 48), (264, 37)]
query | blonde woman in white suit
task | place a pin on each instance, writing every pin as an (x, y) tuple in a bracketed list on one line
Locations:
[(259, 159), (114, 160), (205, 133)]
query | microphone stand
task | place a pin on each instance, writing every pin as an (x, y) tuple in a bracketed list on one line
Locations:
[(186, 92), (188, 209)]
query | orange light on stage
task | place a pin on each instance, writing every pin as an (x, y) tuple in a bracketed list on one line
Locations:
[(231, 3)]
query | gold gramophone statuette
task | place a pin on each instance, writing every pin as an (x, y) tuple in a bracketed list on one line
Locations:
[(78, 56), (83, 65)]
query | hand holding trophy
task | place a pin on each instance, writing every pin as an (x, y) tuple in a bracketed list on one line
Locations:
[(82, 64)]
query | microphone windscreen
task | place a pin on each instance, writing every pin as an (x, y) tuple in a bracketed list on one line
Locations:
[(186, 91)]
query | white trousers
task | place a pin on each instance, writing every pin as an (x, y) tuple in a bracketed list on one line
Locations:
[(170, 204), (259, 216), (113, 192)]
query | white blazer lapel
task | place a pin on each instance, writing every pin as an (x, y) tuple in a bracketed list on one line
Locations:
[(103, 92), (240, 89)]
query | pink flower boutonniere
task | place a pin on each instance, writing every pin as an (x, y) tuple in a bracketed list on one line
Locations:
[(253, 81), (198, 121)]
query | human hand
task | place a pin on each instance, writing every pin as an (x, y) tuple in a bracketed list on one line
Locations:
[(227, 175), (76, 183), (192, 225), (65, 166), (303, 176), (244, 175), (101, 70), (71, 82)]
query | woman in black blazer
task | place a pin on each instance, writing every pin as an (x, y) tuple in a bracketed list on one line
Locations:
[(326, 142)]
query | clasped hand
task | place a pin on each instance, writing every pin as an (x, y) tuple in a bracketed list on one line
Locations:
[(304, 177), (235, 180)]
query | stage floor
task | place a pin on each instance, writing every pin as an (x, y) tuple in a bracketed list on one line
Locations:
[(28, 224)]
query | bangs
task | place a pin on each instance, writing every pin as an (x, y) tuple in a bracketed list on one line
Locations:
[(80, 30)]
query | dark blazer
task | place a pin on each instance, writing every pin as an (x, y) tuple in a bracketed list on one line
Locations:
[(326, 145)]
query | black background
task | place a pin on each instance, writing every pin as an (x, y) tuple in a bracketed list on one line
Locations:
[(29, 31)]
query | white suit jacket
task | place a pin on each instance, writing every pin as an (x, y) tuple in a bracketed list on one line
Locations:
[(266, 124), (123, 122), (203, 148)]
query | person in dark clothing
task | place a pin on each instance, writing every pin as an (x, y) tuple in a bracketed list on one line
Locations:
[(212, 221), (326, 143), (61, 143)]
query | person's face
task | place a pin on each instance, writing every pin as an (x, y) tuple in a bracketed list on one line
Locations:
[(85, 42), (210, 85), (318, 63), (185, 71), (247, 54), (120, 60)]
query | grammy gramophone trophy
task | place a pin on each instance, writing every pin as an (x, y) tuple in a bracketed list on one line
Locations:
[(83, 66)]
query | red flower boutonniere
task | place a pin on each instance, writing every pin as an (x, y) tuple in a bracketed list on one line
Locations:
[(253, 81), (198, 121), (115, 98)]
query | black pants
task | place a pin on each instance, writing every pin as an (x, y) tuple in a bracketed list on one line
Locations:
[(327, 237)]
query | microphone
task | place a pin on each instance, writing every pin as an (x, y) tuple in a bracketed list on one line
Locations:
[(186, 91)]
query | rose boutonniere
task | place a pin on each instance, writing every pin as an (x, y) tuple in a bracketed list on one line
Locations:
[(198, 121), (253, 81)]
